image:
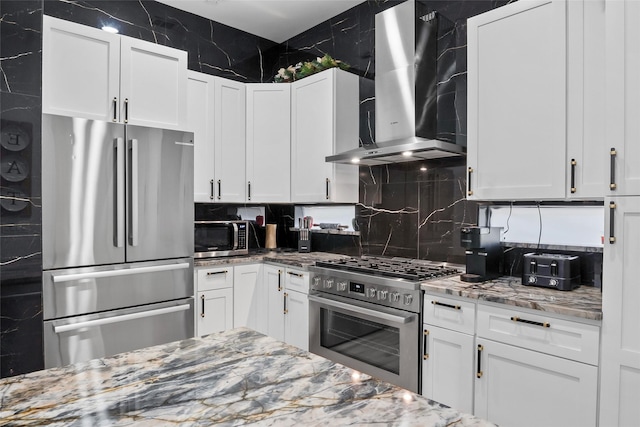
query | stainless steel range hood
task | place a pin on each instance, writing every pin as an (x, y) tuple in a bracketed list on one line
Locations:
[(406, 91)]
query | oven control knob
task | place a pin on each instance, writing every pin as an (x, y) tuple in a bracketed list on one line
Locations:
[(371, 293), (328, 284), (394, 297), (382, 295), (408, 299), (342, 286), (316, 282)]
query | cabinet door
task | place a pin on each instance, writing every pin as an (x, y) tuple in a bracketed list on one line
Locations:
[(200, 121), (296, 329), (447, 368), (517, 101), (80, 71), (620, 364), (214, 312), (229, 140), (312, 114), (268, 142), (523, 388), (153, 84), (623, 96), (248, 302), (274, 283)]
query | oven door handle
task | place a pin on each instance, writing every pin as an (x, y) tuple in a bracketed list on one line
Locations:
[(366, 311)]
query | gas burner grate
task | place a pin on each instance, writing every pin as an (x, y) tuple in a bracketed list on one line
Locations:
[(399, 268)]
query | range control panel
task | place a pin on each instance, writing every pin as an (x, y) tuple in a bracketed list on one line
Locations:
[(388, 296)]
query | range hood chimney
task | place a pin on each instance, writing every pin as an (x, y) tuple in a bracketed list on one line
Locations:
[(406, 91)]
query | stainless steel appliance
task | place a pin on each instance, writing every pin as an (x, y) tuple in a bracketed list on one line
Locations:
[(117, 219), (557, 271), (220, 238), (366, 313), (483, 252)]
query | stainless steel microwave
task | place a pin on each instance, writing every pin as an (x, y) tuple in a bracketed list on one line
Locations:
[(220, 238)]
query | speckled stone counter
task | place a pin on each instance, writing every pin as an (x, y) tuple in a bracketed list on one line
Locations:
[(584, 302), (294, 259), (231, 378)]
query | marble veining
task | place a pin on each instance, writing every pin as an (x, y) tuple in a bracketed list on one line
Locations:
[(231, 378), (294, 259), (584, 302)]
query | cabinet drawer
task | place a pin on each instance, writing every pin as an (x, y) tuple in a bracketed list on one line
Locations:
[(297, 280), (450, 313), (540, 332), (213, 278)]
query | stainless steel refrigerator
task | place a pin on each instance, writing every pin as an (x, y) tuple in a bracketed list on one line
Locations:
[(117, 237)]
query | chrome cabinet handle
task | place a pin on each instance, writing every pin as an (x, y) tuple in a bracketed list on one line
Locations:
[(115, 109), (479, 369), (126, 110), (573, 175), (425, 353), (530, 322), (469, 190), (202, 299), (212, 191), (612, 234), (455, 307), (613, 153)]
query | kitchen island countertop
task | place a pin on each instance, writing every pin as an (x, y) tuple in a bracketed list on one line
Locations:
[(230, 378), (583, 302)]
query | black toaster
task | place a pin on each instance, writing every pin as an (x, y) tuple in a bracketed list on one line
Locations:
[(555, 271)]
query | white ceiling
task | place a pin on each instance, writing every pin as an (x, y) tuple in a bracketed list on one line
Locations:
[(276, 20)]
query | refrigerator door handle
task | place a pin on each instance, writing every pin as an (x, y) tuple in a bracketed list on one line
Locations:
[(113, 273), (133, 192), (116, 319), (120, 194)]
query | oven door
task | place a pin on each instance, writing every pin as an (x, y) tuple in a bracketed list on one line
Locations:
[(215, 238), (379, 341)]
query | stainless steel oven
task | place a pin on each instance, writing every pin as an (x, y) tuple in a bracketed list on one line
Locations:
[(220, 238), (380, 341), (366, 313)]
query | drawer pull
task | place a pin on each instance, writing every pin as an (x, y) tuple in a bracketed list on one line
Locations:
[(479, 370), (213, 273), (425, 346), (455, 307), (531, 322), (295, 274)]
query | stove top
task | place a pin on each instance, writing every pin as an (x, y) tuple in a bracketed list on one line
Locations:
[(397, 268)]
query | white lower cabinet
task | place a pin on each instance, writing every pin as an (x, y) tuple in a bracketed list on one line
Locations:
[(287, 304), (535, 370), (248, 301), (215, 311)]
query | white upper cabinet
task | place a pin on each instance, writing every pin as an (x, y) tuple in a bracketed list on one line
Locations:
[(268, 142), (324, 121), (93, 74), (80, 71), (535, 103), (153, 84), (229, 140), (623, 97), (201, 91)]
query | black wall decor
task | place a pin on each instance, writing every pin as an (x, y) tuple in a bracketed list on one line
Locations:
[(403, 210)]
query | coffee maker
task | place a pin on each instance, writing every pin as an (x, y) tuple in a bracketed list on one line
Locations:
[(483, 252)]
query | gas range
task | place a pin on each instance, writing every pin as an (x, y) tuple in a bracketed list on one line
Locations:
[(391, 282)]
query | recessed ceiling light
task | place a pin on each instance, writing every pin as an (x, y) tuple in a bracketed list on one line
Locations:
[(407, 153), (355, 160), (423, 168), (110, 29)]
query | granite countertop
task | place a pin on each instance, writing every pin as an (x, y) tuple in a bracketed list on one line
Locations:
[(230, 378), (584, 302), (292, 258)]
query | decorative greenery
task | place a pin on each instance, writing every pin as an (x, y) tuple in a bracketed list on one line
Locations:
[(304, 69)]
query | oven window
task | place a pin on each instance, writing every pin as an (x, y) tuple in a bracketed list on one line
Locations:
[(369, 342), (213, 237)]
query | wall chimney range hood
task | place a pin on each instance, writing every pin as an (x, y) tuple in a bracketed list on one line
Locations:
[(406, 91)]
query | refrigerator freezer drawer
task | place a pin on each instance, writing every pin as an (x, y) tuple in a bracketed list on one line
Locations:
[(82, 338), (79, 291)]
